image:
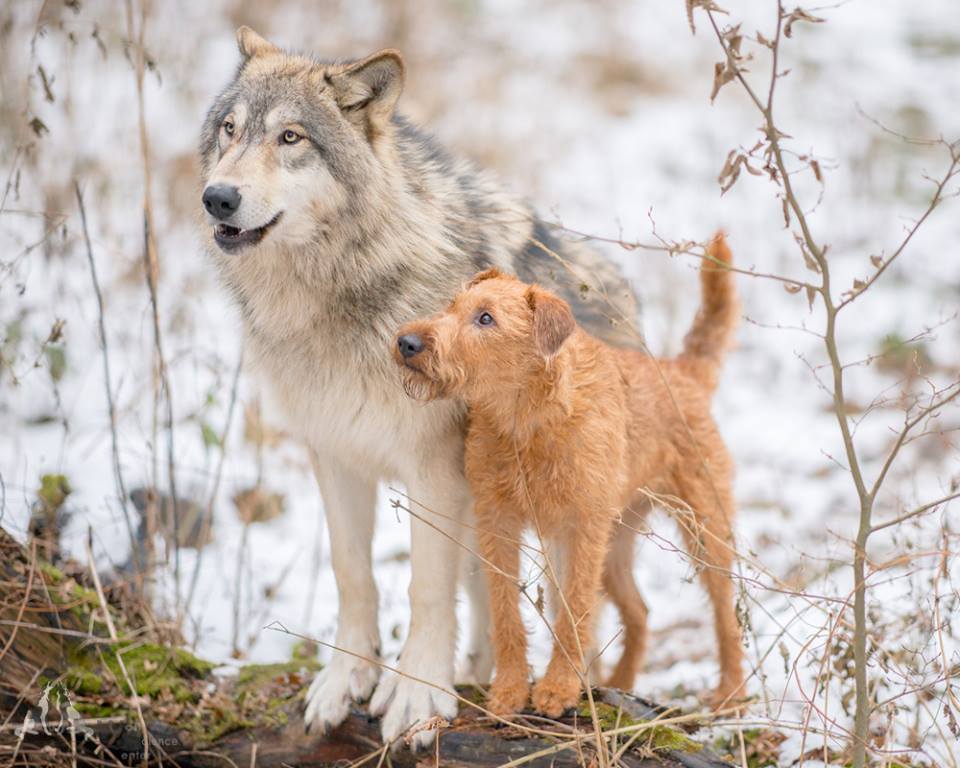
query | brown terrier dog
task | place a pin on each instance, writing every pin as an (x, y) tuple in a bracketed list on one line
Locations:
[(569, 435)]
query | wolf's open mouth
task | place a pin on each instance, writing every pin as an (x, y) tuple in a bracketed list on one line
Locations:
[(230, 238)]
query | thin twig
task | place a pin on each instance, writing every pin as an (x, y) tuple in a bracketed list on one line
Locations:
[(111, 407)]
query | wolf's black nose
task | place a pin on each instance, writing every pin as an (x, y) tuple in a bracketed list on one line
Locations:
[(221, 200), (410, 344)]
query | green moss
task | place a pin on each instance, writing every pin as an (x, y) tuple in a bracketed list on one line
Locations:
[(260, 696), (53, 491), (83, 681), (264, 674), (658, 738), (52, 574), (760, 746), (100, 710), (156, 670)]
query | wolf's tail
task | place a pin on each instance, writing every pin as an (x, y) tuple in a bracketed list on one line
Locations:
[(708, 338)]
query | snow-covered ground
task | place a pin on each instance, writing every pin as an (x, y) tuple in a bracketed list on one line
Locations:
[(600, 113)]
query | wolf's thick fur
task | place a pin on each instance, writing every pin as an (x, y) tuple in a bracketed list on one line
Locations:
[(367, 223), (565, 436)]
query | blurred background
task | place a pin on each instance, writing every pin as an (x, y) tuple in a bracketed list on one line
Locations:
[(600, 113)]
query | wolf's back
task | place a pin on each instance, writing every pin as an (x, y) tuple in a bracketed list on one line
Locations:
[(489, 227), (601, 298)]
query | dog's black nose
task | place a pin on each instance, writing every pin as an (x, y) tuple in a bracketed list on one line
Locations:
[(410, 344), (221, 200)]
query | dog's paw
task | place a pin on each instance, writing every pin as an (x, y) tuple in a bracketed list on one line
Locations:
[(556, 693), (728, 697), (508, 696), (404, 704), (345, 679)]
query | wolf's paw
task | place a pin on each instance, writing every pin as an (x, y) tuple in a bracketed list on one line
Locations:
[(556, 693), (343, 680), (404, 704), (476, 666)]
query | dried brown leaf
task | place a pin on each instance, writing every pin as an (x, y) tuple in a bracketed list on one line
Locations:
[(815, 167), (798, 14), (792, 287), (722, 74), (254, 505), (707, 5)]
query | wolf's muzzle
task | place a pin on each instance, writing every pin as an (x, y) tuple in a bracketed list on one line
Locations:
[(221, 200)]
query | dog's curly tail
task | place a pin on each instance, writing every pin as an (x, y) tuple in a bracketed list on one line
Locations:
[(707, 340)]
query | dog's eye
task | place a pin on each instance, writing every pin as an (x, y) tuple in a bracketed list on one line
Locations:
[(228, 127), (290, 137), (484, 318)]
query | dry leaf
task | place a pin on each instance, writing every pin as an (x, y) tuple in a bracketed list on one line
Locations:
[(707, 5), (722, 74), (811, 296), (798, 14), (815, 166), (877, 261), (255, 506), (256, 431), (792, 287)]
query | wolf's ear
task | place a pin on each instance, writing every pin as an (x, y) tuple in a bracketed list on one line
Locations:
[(369, 89), (251, 44), (552, 320)]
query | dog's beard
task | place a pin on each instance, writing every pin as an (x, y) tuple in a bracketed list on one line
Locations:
[(428, 385), (420, 387)]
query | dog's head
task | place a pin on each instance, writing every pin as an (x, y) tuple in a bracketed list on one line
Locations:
[(492, 338), (289, 140)]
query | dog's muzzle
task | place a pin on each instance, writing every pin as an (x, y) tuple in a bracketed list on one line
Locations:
[(409, 345)]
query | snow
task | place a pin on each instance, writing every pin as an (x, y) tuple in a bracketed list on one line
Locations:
[(600, 113)]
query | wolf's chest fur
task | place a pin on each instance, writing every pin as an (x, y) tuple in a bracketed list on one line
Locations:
[(325, 359)]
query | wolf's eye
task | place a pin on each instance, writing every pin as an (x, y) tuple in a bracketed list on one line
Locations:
[(290, 137), (485, 318), (228, 127)]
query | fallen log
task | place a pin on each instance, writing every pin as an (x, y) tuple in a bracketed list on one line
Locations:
[(79, 688)]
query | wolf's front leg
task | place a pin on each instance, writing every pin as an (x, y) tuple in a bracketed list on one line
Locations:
[(477, 662), (438, 499), (349, 501)]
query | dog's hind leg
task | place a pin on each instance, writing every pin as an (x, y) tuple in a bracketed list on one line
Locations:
[(438, 497), (349, 501), (621, 588), (710, 542)]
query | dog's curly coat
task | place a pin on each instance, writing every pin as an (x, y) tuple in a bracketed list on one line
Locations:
[(567, 435)]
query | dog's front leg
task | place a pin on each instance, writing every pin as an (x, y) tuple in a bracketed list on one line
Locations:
[(584, 550), (438, 499), (349, 501)]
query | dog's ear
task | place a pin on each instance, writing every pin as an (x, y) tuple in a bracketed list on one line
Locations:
[(487, 274), (552, 320), (367, 91), (251, 44)]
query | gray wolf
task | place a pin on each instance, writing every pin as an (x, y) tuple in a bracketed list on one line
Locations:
[(332, 221), (566, 435)]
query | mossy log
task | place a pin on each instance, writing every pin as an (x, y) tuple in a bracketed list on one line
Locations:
[(54, 639)]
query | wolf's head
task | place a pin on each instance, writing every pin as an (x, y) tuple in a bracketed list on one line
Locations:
[(292, 142)]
